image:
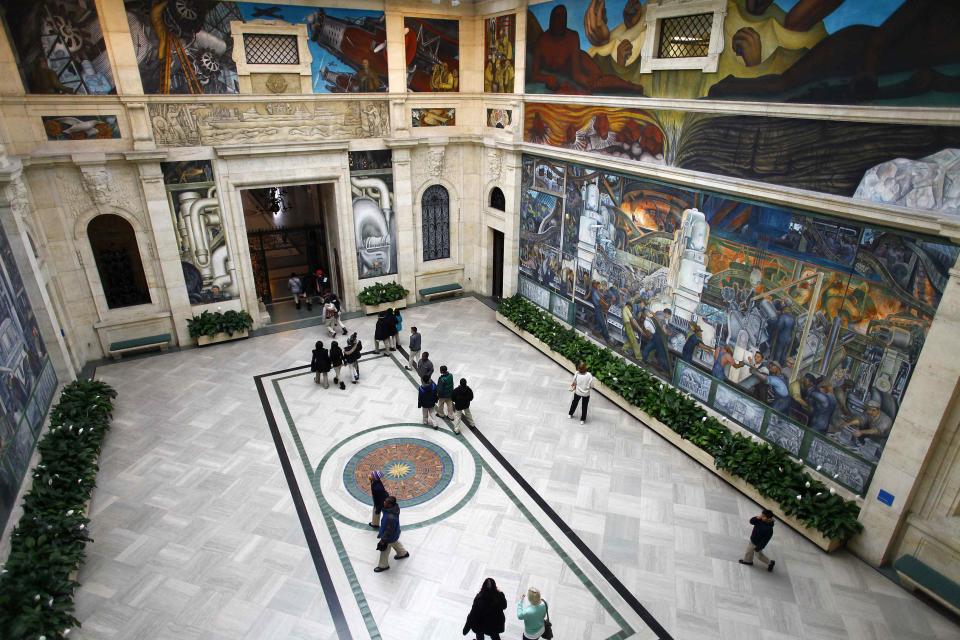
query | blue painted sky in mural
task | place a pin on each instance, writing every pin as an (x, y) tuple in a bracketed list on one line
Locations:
[(298, 15)]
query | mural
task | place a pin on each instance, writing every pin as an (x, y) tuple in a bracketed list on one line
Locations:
[(819, 155), (208, 270), (433, 54), (81, 127), (60, 47), (896, 52), (499, 118), (436, 117), (802, 328), (498, 69), (187, 47), (375, 226), (27, 380)]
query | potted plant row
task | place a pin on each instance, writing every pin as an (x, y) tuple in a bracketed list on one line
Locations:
[(213, 327), (757, 469), (380, 297)]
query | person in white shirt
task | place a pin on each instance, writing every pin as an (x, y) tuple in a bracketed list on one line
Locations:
[(582, 381)]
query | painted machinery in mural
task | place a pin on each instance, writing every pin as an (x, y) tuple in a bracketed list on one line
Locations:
[(360, 44), (432, 54), (374, 222)]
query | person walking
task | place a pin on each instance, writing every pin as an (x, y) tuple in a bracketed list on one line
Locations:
[(315, 287), (582, 381), (332, 298), (320, 364), (759, 538), (336, 361), (532, 609), (414, 350), (486, 617), (389, 535), (382, 331), (379, 494), (295, 285), (399, 320), (331, 318), (351, 355), (424, 366), (392, 327), (427, 399), (462, 396), (444, 393)]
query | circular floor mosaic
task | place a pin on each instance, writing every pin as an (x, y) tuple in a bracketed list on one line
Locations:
[(414, 470)]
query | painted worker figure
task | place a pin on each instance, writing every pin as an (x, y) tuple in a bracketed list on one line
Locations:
[(873, 424), (694, 340)]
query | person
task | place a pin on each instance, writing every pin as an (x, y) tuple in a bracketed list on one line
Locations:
[(486, 615), (778, 389), (427, 399), (822, 405), (874, 424), (694, 340), (532, 614), (295, 285), (759, 537), (367, 79), (392, 328), (658, 339), (351, 356), (320, 364), (445, 393), (462, 397), (424, 366), (582, 381), (389, 535), (316, 287), (415, 340), (781, 330), (331, 318), (723, 357), (379, 494), (336, 361), (381, 333), (396, 335), (760, 390)]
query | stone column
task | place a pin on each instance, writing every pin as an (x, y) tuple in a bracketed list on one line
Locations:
[(123, 58), (924, 413), (511, 186), (406, 224), (10, 81)]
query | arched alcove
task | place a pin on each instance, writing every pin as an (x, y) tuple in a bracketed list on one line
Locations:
[(497, 199), (114, 245)]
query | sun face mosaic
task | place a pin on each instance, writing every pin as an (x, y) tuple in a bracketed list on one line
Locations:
[(414, 470)]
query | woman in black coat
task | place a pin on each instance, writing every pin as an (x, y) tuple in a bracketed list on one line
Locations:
[(384, 329), (320, 364), (379, 494), (336, 361), (486, 617), (351, 355)]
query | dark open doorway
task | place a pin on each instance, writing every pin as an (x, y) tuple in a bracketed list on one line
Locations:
[(496, 288)]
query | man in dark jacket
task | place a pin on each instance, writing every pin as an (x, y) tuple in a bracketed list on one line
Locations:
[(379, 494), (390, 535), (424, 366), (445, 393), (427, 399), (462, 396), (351, 355), (320, 365), (382, 332), (759, 537)]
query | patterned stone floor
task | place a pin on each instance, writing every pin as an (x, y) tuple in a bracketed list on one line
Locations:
[(197, 535)]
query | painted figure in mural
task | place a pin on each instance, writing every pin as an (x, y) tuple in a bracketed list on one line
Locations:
[(367, 78), (873, 424), (694, 340), (822, 405), (781, 330), (723, 358), (442, 78), (660, 338)]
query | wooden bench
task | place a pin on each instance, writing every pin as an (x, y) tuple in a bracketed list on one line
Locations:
[(161, 341), (440, 291), (916, 575)]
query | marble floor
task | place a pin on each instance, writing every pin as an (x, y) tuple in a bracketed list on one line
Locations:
[(229, 506)]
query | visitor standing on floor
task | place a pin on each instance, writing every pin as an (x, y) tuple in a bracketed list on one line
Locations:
[(392, 326), (399, 323), (315, 287), (759, 537), (486, 616), (424, 366), (445, 393), (382, 331), (427, 399), (295, 285), (351, 355), (390, 535), (462, 397), (415, 342), (581, 384), (379, 494), (320, 365), (532, 609), (336, 361)]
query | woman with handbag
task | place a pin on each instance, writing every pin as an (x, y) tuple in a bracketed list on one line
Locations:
[(486, 617), (536, 621)]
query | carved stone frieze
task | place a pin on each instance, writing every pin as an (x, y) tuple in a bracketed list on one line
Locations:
[(17, 197), (435, 159), (495, 164), (99, 186)]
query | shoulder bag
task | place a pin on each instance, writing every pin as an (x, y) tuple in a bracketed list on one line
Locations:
[(547, 625)]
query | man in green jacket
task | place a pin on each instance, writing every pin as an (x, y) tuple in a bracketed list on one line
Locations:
[(445, 393)]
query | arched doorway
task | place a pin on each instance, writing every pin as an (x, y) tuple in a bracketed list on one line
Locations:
[(115, 251)]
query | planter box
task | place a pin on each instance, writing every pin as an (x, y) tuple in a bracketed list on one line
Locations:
[(370, 309), (223, 336), (686, 446)]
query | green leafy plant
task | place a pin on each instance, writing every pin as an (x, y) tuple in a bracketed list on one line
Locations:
[(211, 323), (47, 545), (380, 293), (769, 469)]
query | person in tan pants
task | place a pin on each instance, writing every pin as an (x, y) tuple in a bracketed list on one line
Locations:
[(390, 535)]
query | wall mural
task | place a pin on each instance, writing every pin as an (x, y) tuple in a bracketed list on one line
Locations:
[(433, 54), (820, 155), (60, 47), (187, 47), (499, 118), (81, 127), (374, 222), (802, 328), (434, 117), (498, 45), (27, 380), (896, 52), (208, 270)]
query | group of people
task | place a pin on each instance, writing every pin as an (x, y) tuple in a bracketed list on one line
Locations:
[(440, 397), (313, 288), (387, 330), (322, 361)]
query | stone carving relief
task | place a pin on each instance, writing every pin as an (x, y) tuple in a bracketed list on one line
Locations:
[(176, 124), (435, 159), (494, 164), (98, 186), (17, 197)]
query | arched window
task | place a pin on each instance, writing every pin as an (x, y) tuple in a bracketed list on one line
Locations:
[(115, 251), (435, 209), (497, 200)]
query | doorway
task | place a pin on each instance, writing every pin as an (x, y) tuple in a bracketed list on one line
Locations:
[(496, 288)]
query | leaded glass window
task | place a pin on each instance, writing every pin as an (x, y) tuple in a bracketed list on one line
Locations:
[(435, 214), (685, 36)]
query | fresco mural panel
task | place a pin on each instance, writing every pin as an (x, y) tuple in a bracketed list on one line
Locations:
[(498, 45), (81, 127), (374, 220), (432, 54)]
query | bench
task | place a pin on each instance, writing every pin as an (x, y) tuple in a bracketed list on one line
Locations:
[(161, 341), (916, 575), (440, 291)]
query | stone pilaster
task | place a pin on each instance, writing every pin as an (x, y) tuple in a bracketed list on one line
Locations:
[(405, 220)]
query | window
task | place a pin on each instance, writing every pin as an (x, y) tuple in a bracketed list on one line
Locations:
[(435, 212), (497, 200), (115, 251), (270, 48), (685, 36)]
